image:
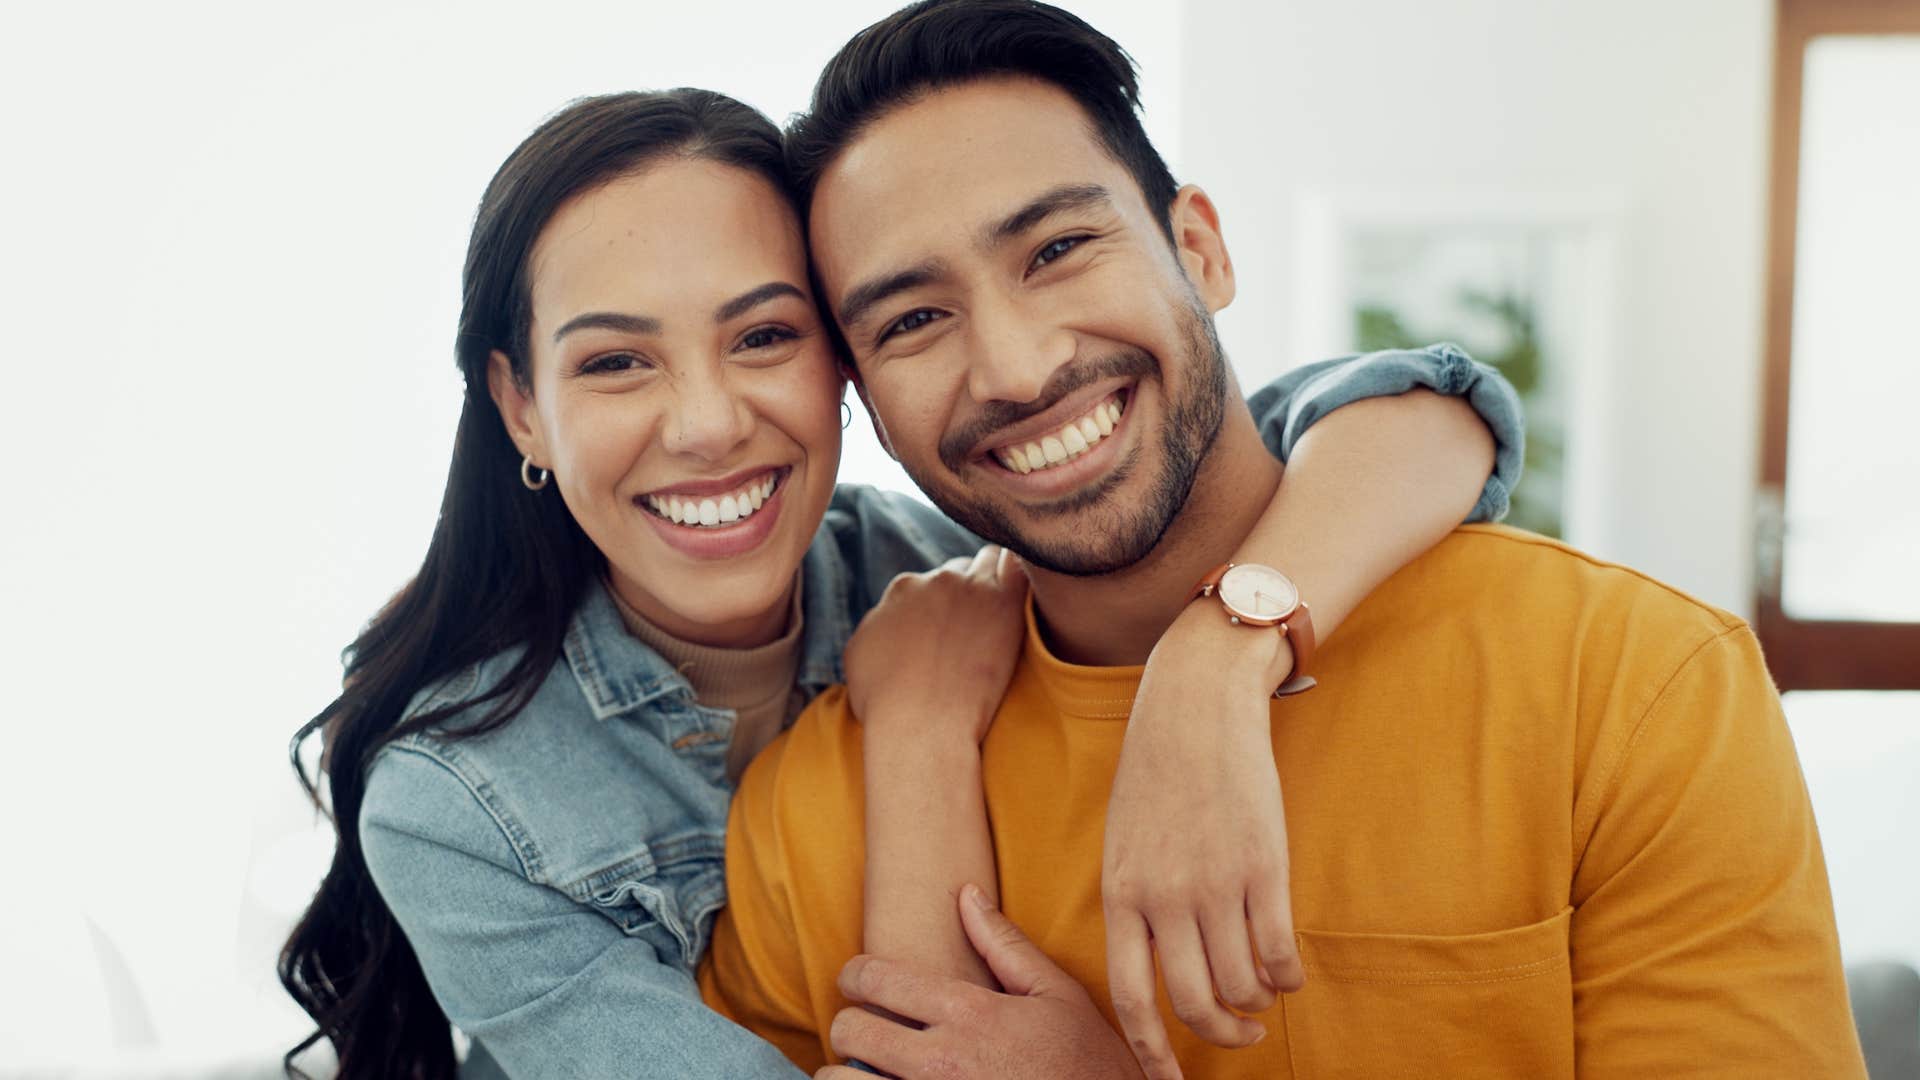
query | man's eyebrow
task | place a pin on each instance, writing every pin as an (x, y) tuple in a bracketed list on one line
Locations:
[(609, 320), (1048, 203), (864, 297), (753, 298)]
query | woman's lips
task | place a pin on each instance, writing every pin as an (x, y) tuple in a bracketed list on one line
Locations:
[(721, 540), (723, 507)]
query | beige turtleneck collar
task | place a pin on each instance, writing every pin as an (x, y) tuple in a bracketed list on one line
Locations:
[(756, 683)]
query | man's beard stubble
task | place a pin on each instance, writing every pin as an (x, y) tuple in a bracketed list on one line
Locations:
[(1115, 536)]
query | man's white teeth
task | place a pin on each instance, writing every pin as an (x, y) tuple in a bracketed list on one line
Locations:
[(1065, 444), (708, 513)]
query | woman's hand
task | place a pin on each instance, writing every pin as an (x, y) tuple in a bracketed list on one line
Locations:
[(1197, 871), (941, 646)]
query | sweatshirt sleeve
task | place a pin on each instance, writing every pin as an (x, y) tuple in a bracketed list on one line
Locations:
[(1703, 935)]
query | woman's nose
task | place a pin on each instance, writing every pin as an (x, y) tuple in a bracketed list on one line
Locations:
[(710, 420)]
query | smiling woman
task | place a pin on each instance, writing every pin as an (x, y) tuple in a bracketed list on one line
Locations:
[(647, 381), (662, 382)]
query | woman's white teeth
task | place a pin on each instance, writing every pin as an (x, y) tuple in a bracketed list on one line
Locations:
[(724, 510), (1064, 445)]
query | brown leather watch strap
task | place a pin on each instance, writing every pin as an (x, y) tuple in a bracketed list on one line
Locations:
[(1210, 582), (1297, 627)]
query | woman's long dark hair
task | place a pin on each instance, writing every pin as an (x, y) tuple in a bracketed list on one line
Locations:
[(505, 570)]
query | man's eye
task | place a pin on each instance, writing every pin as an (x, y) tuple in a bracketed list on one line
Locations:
[(1056, 249), (911, 321), (766, 336)]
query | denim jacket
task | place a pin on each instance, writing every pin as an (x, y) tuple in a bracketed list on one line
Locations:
[(558, 877)]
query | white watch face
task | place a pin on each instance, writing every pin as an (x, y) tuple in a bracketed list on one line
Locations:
[(1252, 591)]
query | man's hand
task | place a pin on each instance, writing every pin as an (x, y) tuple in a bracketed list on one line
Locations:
[(1196, 843), (1045, 1025)]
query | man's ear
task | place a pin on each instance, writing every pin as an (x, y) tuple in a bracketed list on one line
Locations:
[(852, 375), (515, 403), (1201, 246)]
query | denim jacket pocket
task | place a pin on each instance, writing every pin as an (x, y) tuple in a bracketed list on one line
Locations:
[(1496, 1004), (668, 893)]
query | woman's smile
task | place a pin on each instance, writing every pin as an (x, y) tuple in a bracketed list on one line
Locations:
[(718, 521), (709, 504)]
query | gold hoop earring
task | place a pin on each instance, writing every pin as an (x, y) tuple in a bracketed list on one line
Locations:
[(527, 471), (846, 415)]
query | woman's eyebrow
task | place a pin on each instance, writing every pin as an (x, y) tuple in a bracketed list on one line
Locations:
[(647, 324), (753, 298), (609, 320)]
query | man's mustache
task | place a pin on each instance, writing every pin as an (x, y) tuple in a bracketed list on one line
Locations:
[(957, 446)]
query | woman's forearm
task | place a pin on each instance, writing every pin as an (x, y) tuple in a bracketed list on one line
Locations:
[(1195, 836), (1368, 488), (926, 670), (926, 838)]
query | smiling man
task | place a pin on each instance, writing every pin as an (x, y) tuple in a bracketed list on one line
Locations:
[(1545, 815)]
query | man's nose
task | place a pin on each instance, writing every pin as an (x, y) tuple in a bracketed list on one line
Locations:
[(710, 419), (1013, 355)]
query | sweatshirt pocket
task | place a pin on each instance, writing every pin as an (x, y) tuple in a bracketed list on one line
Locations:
[(1497, 1004)]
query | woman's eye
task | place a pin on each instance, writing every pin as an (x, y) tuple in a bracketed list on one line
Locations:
[(766, 336), (612, 363), (911, 321), (1056, 249)]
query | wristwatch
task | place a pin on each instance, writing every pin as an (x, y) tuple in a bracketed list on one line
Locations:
[(1256, 595)]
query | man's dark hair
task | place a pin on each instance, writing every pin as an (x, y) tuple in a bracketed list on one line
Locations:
[(938, 43)]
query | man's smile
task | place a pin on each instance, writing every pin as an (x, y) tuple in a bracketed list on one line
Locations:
[(1066, 442), (1074, 447)]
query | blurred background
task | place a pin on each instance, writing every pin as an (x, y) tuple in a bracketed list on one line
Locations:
[(233, 237)]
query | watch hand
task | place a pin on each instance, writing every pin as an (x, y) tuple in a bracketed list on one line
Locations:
[(1258, 596)]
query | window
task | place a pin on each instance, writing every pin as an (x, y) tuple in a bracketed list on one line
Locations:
[(1838, 532)]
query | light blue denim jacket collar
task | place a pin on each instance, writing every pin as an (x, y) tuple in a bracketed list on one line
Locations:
[(619, 674)]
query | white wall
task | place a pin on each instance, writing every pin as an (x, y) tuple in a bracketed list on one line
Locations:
[(1660, 106)]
